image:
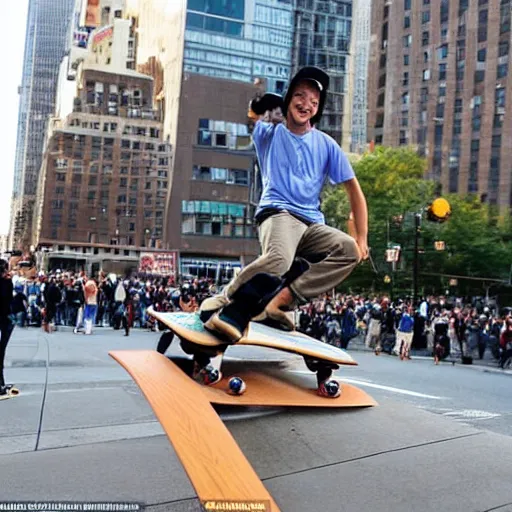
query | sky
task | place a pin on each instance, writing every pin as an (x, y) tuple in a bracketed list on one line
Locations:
[(12, 40)]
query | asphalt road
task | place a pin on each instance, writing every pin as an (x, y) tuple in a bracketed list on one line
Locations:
[(82, 416), (69, 382)]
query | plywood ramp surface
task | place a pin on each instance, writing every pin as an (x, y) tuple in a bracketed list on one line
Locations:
[(264, 389), (217, 468)]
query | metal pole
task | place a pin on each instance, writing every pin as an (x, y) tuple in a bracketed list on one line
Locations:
[(417, 229)]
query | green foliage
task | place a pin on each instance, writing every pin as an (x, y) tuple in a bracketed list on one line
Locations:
[(478, 242)]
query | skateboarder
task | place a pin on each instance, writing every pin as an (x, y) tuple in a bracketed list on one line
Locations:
[(6, 322), (295, 160)]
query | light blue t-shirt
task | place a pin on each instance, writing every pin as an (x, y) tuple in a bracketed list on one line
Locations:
[(294, 168)]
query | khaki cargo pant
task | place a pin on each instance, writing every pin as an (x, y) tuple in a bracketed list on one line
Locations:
[(332, 255)]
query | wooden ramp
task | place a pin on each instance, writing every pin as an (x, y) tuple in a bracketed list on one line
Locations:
[(218, 470)]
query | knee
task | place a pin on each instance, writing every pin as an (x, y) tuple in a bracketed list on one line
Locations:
[(276, 263), (347, 246)]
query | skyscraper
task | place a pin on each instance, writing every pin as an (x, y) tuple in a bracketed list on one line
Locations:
[(322, 38), (440, 80), (354, 132), (45, 44)]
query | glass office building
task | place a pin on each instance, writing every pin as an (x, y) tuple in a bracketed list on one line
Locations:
[(45, 45), (240, 40)]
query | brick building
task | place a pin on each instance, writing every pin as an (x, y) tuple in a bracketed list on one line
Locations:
[(105, 173), (439, 80)]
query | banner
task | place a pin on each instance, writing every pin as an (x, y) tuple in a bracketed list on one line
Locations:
[(92, 13), (159, 263)]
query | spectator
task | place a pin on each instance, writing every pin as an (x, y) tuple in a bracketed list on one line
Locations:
[(6, 322)]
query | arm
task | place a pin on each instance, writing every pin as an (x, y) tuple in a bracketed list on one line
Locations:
[(358, 220)]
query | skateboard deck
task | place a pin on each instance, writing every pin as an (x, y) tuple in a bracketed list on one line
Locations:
[(188, 326), (11, 393), (218, 470)]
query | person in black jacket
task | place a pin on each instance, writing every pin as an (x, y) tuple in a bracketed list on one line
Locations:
[(6, 323)]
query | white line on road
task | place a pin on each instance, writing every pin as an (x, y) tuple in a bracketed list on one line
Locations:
[(392, 389), (370, 384)]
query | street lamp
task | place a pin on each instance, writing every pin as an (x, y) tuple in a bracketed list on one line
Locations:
[(438, 211)]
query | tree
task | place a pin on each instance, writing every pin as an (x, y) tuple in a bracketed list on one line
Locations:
[(394, 185), (477, 242)]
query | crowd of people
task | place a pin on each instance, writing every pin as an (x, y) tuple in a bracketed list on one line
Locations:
[(464, 329), (62, 298), (456, 327)]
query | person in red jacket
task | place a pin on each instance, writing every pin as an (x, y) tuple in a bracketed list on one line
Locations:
[(506, 342)]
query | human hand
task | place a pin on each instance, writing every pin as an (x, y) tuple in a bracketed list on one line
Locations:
[(362, 246)]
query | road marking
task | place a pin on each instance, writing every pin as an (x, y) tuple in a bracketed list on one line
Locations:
[(393, 390), (473, 414), (370, 384)]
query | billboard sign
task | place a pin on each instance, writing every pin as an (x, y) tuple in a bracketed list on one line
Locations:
[(92, 13), (159, 263)]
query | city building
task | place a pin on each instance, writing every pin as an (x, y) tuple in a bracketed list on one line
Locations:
[(322, 33), (439, 80), (205, 56), (45, 46), (104, 179), (354, 138)]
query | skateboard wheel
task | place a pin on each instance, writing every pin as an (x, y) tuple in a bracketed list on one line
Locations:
[(210, 375), (236, 386), (330, 388)]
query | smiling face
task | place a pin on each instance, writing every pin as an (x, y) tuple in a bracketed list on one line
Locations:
[(303, 105)]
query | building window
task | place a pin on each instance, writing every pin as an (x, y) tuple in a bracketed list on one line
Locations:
[(445, 11), (479, 76), (481, 55), (505, 17), (406, 60), (407, 21), (407, 5), (482, 33), (407, 41), (426, 75), (216, 219), (425, 17), (405, 79), (425, 38), (502, 70), (442, 71), (442, 52)]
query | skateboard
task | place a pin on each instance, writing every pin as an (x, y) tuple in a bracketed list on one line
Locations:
[(320, 358), (11, 393)]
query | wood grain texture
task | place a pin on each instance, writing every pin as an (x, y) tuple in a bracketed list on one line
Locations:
[(217, 468), (276, 390)]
